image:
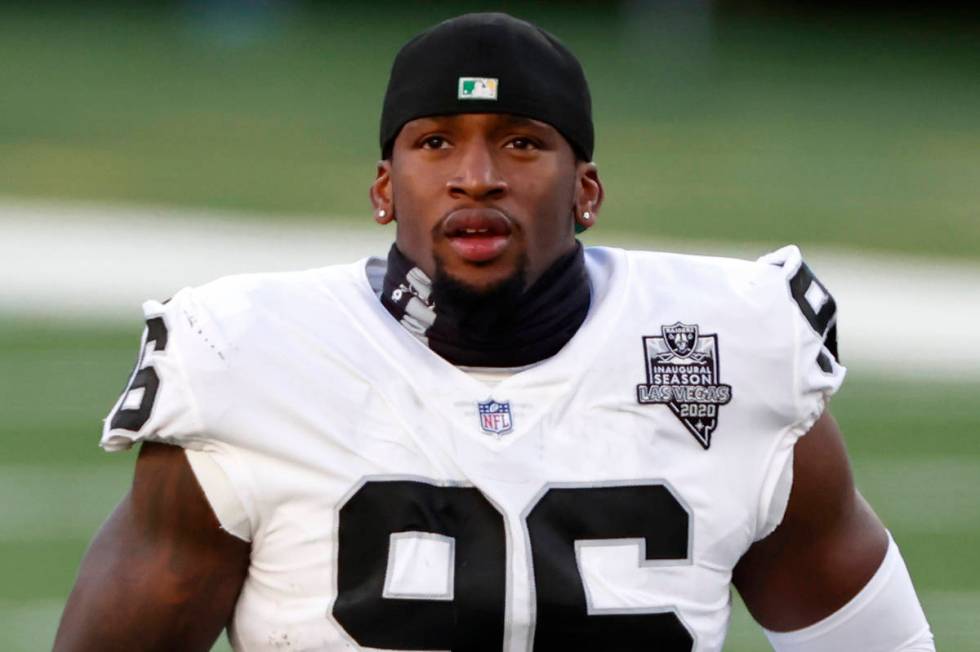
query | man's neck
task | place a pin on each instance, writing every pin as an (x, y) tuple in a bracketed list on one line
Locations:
[(509, 329)]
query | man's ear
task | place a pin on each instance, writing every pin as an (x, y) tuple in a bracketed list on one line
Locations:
[(380, 192), (588, 195)]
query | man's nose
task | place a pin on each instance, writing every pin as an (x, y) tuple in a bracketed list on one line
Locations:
[(477, 176)]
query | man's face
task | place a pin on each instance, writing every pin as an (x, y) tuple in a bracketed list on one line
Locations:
[(484, 197)]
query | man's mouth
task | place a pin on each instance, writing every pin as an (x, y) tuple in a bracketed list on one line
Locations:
[(477, 234)]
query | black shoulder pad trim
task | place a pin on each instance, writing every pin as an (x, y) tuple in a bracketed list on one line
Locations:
[(824, 320), (144, 378)]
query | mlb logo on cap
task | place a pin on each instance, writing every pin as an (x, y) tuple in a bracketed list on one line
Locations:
[(495, 417), (477, 88)]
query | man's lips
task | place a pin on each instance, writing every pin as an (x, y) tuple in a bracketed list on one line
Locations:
[(477, 234)]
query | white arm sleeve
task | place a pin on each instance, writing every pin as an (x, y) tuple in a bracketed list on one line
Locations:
[(885, 616)]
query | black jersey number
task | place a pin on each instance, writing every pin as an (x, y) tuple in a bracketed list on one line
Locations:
[(144, 379), (820, 314), (566, 515), (473, 621)]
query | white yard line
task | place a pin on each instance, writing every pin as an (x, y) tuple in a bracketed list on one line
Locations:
[(897, 316)]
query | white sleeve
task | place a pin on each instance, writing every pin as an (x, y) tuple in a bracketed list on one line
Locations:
[(885, 616), (818, 372), (815, 373), (158, 402), (181, 359)]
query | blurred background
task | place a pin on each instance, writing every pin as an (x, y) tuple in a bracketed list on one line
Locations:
[(147, 146)]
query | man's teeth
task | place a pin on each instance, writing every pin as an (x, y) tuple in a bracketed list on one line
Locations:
[(474, 231)]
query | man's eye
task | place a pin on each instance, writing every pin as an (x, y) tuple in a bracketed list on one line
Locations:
[(522, 143), (434, 142)]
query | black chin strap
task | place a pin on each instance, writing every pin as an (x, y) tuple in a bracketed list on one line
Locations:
[(500, 329)]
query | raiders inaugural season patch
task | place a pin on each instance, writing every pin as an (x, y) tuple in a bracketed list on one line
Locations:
[(682, 373), (495, 417)]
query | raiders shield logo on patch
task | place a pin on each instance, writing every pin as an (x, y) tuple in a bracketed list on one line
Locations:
[(680, 338), (683, 374)]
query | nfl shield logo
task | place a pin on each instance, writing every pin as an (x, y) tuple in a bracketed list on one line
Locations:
[(495, 417)]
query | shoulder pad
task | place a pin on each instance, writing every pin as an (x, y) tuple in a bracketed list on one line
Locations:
[(814, 300)]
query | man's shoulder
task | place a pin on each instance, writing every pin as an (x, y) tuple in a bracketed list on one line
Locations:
[(776, 295), (708, 262), (229, 294), (681, 272), (246, 308), (204, 347)]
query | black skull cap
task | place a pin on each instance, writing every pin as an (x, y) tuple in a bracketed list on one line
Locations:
[(489, 63)]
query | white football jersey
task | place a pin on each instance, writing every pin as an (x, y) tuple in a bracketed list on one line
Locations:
[(595, 501)]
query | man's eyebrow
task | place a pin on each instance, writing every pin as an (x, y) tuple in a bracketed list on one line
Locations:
[(521, 121), (507, 121), (428, 120)]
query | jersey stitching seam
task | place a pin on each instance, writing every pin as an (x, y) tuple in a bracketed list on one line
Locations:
[(245, 480)]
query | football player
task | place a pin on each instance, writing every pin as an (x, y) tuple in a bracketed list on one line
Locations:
[(494, 439)]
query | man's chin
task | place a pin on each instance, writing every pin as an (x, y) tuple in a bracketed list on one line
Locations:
[(478, 287), (481, 276)]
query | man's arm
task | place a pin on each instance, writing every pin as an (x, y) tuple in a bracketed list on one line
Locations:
[(828, 547), (160, 574)]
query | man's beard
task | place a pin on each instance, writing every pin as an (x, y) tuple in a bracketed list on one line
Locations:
[(482, 311)]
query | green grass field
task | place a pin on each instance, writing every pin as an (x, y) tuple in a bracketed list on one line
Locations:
[(913, 446), (817, 128)]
